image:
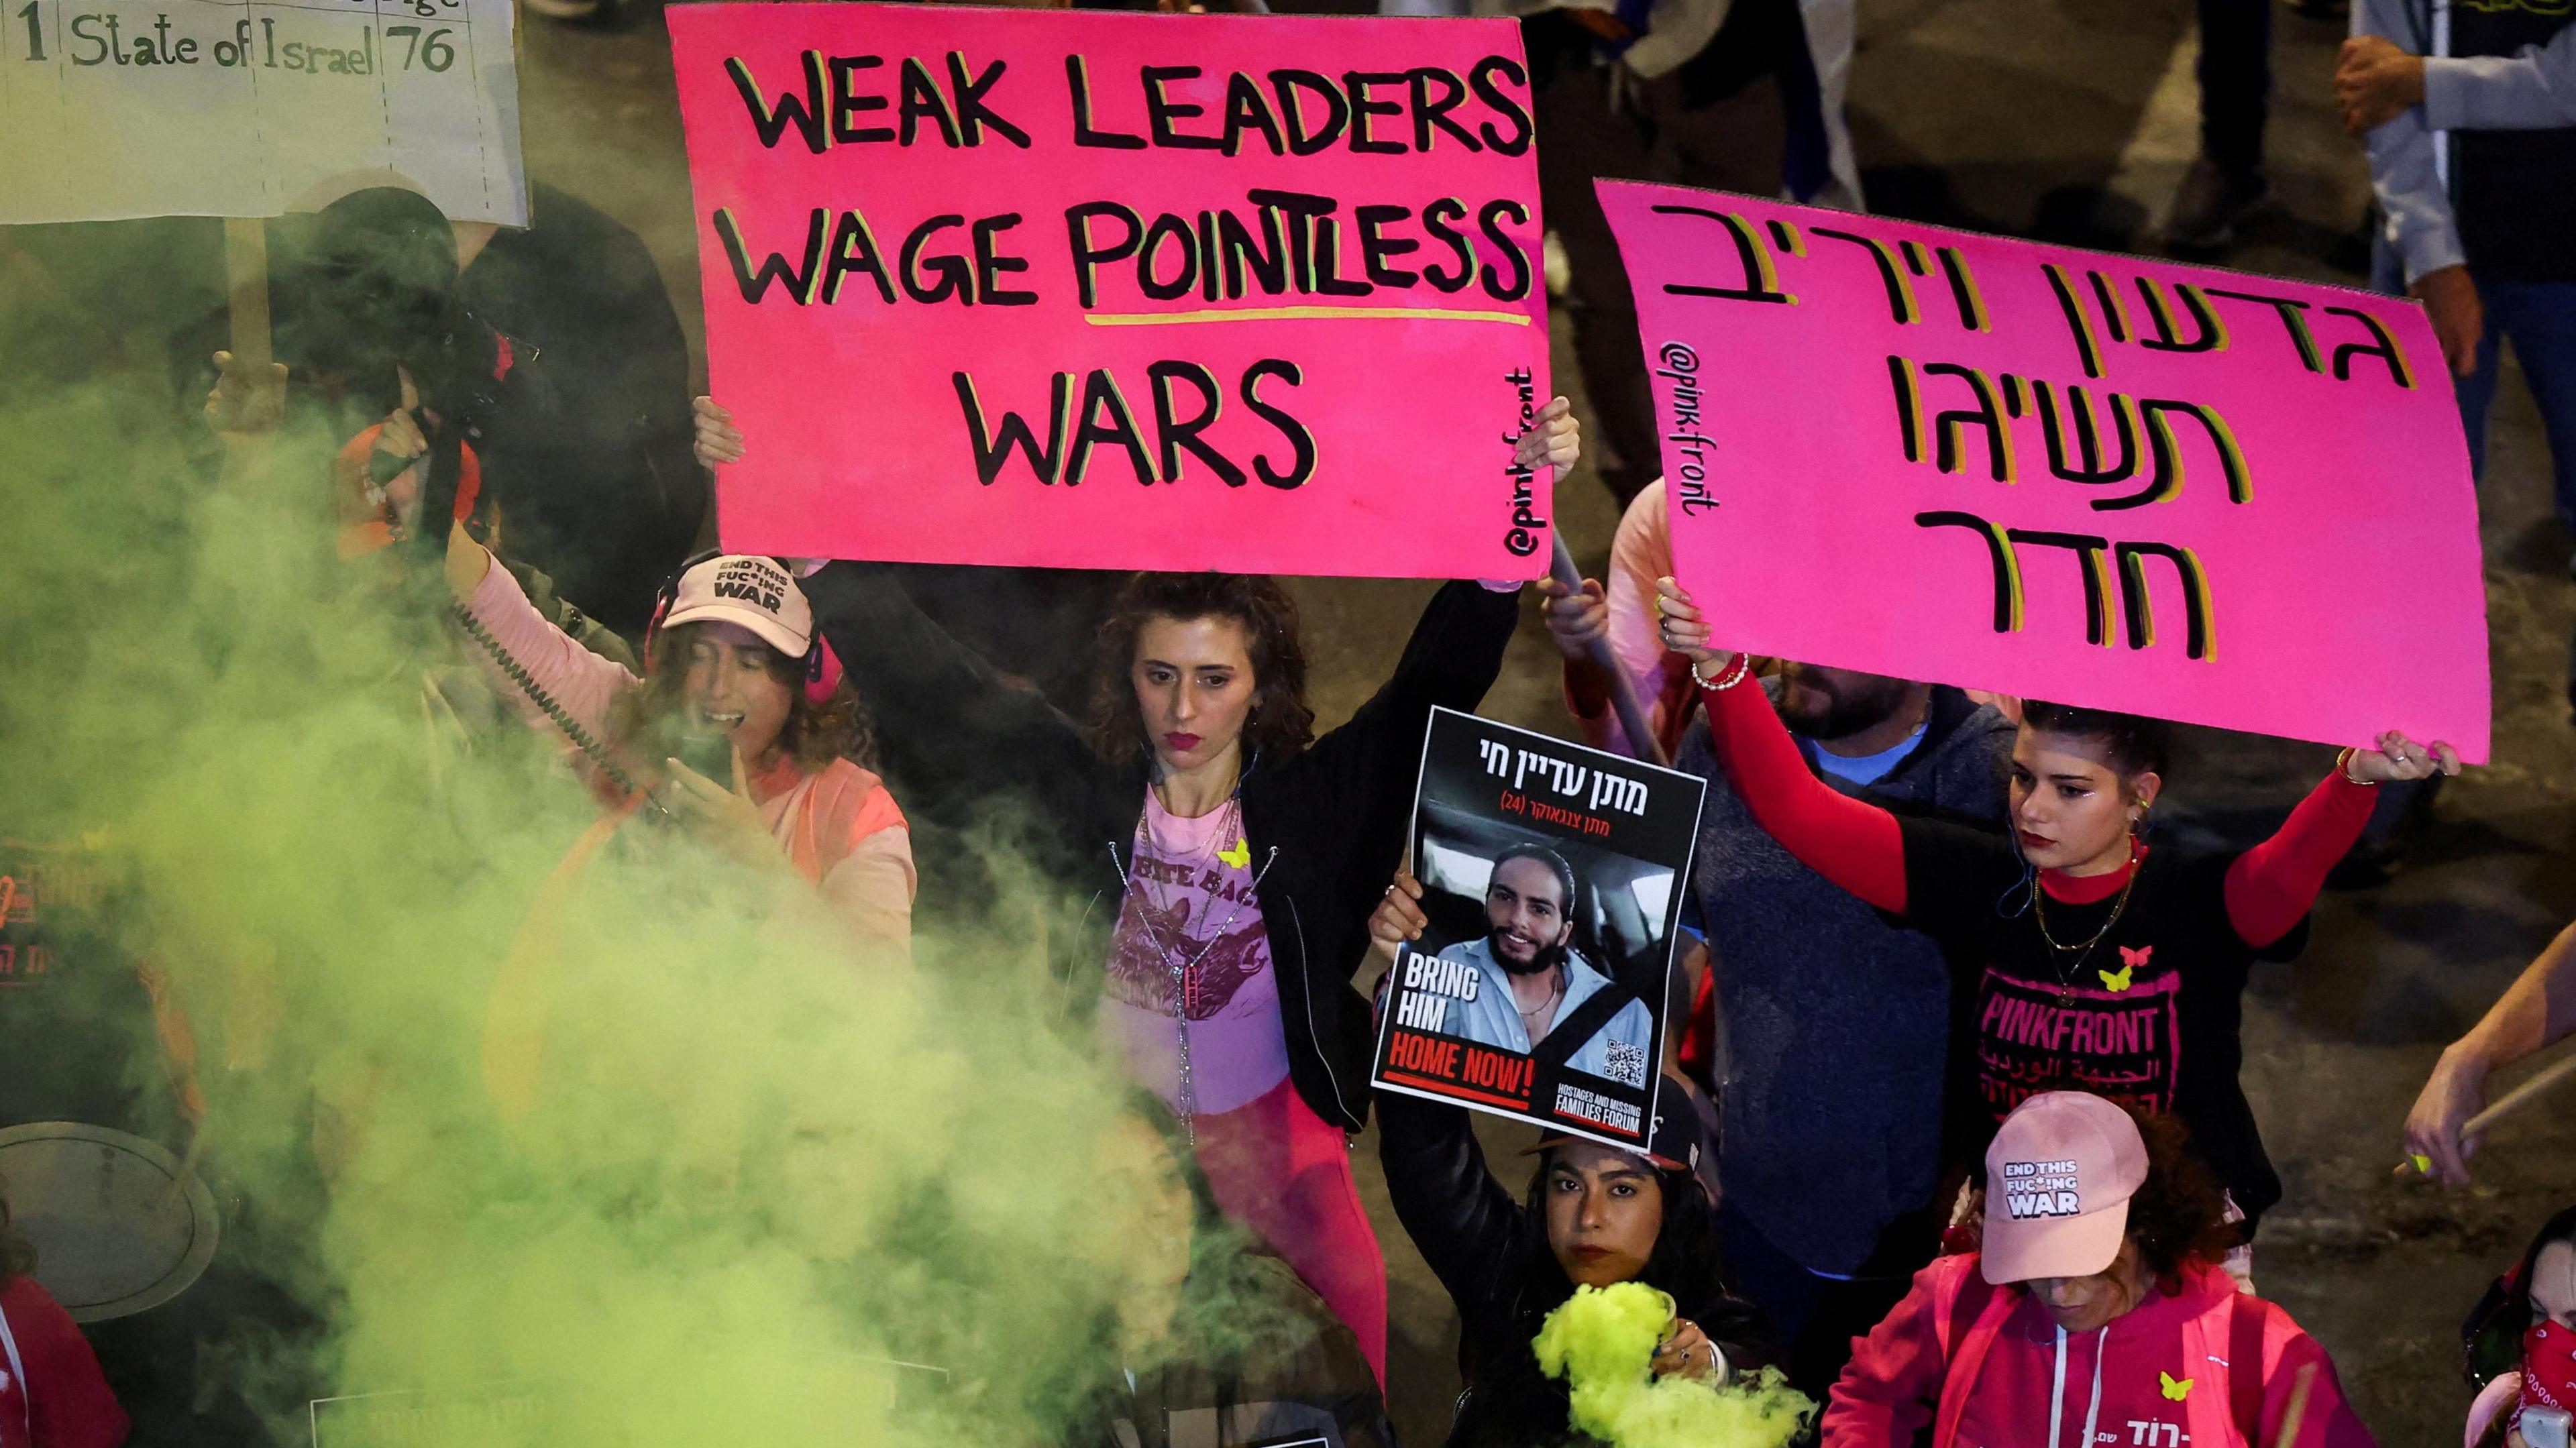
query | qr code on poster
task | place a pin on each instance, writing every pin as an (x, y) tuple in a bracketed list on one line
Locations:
[(1624, 1063)]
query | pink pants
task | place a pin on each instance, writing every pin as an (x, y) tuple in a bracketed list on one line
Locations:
[(1285, 1172)]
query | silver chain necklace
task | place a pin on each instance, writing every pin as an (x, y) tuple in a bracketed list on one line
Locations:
[(1187, 1107)]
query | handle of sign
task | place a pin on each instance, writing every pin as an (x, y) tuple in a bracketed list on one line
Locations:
[(1623, 690), (246, 281)]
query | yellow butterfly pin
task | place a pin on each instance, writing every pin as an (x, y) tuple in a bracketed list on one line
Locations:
[(1240, 855), (2130, 960), (2177, 1391)]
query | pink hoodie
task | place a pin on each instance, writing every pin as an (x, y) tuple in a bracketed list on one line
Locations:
[(1994, 1370)]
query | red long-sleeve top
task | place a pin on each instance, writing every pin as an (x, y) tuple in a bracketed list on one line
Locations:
[(65, 1401), (1860, 847)]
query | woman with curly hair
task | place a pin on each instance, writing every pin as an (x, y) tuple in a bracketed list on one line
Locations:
[(2094, 1310), (733, 663), (1231, 856)]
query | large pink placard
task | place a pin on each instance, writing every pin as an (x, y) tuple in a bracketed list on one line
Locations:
[(1100, 290), (2103, 480)]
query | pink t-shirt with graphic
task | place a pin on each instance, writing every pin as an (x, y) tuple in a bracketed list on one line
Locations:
[(1188, 904)]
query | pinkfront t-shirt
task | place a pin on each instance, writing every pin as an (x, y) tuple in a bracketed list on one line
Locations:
[(1188, 904)]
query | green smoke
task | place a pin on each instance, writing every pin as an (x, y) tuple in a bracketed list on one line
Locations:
[(758, 1169), (1601, 1342)]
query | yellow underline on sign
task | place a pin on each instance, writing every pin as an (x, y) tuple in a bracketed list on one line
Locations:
[(1287, 314)]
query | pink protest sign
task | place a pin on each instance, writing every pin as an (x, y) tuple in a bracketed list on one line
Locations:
[(1102, 290), (2102, 480)]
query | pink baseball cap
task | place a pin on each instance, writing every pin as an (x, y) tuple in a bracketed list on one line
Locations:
[(2058, 1181), (748, 590)]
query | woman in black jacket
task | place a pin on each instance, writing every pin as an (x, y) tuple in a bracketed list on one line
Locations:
[(1595, 1215), (1222, 861), (1509, 1264)]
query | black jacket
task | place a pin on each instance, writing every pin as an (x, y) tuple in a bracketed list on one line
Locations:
[(1491, 1253), (970, 755)]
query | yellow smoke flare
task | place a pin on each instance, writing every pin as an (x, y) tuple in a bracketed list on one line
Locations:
[(1601, 1342)]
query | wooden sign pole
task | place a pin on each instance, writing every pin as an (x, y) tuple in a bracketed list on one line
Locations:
[(246, 282), (1623, 690)]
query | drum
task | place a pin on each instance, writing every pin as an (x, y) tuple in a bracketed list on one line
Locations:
[(119, 1224)]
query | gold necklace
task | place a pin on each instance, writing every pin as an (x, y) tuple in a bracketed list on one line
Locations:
[(2039, 911), (1553, 996)]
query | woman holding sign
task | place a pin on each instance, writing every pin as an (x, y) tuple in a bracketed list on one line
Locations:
[(2095, 962), (1595, 1215), (1224, 860)]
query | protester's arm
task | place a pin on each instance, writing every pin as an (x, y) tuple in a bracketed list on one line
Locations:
[(2326, 1418), (1453, 657), (1461, 1219), (1888, 1391), (872, 887), (69, 1403), (1577, 619), (1856, 845), (2414, 202), (580, 682), (1622, 612), (2532, 89), (2271, 886), (2537, 1010), (1641, 552)]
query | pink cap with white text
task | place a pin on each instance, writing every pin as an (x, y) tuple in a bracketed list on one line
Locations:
[(2058, 1181)]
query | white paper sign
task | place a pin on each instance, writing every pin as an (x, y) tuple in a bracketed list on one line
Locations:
[(127, 108)]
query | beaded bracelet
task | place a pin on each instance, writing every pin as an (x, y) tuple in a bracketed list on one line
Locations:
[(1735, 674)]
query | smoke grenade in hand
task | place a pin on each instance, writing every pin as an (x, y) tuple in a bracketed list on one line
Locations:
[(1602, 1340)]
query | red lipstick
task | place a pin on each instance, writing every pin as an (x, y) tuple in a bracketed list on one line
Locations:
[(1181, 743)]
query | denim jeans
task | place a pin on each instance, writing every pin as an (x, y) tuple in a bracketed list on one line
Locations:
[(2540, 318)]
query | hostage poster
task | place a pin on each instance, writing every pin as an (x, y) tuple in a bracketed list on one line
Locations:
[(1552, 876)]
